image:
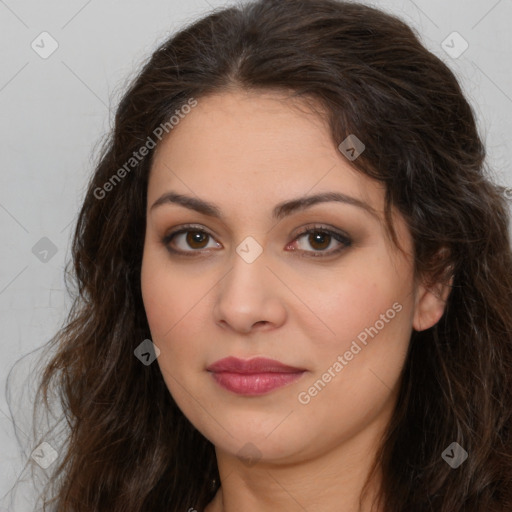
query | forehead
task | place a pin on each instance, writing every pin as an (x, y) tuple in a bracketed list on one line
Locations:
[(262, 144)]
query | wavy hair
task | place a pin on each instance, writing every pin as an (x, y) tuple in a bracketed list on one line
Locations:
[(130, 448)]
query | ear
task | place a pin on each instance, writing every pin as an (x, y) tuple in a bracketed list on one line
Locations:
[(430, 304)]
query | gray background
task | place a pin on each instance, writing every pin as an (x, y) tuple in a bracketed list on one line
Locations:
[(55, 111)]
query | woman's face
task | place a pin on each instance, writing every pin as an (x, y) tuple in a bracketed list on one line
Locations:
[(245, 282)]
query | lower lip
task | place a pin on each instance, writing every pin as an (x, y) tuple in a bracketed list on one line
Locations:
[(254, 383)]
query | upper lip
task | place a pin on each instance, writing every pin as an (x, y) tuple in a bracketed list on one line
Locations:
[(255, 365)]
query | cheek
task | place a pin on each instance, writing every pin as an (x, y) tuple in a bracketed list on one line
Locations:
[(357, 367), (355, 374), (167, 293), (174, 302), (357, 299)]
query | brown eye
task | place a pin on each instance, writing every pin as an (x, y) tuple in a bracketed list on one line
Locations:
[(320, 239), (188, 241)]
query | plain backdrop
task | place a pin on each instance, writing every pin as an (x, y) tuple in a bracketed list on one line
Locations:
[(55, 110)]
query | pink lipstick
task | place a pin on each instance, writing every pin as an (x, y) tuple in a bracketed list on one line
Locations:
[(254, 376)]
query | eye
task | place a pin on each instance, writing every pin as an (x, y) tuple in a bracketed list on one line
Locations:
[(320, 238), (191, 236)]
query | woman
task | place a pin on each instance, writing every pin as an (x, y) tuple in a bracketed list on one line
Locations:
[(294, 280)]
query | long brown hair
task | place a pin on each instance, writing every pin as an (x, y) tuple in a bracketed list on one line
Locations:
[(130, 448)]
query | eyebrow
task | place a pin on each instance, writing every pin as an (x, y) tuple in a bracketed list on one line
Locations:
[(280, 211)]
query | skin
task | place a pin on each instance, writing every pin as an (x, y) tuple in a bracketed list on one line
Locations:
[(247, 152)]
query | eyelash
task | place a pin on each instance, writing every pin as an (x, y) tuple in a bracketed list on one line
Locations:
[(339, 237)]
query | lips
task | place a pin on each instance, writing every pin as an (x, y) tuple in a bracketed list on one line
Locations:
[(254, 376), (251, 366)]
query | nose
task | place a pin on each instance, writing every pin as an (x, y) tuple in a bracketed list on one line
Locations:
[(250, 297)]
